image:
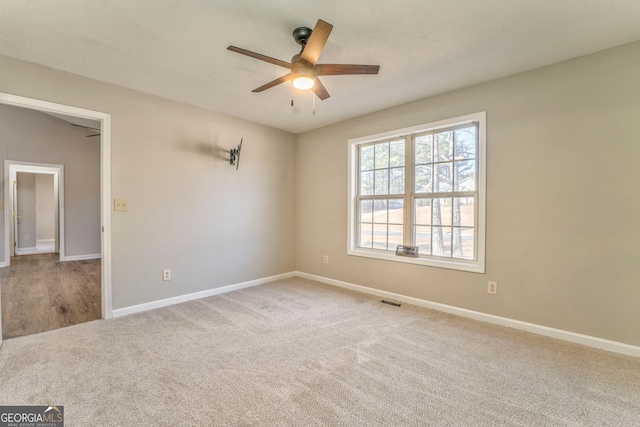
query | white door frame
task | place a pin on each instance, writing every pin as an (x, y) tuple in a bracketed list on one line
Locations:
[(105, 182), (11, 168)]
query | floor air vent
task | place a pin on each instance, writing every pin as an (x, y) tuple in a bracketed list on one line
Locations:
[(384, 301)]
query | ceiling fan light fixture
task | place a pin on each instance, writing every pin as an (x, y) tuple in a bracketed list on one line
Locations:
[(304, 82)]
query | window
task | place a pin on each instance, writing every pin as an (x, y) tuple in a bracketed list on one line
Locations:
[(422, 186)]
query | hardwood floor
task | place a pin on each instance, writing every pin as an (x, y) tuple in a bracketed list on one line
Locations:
[(39, 294)]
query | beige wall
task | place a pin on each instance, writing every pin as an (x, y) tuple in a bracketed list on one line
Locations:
[(188, 209), (32, 136), (563, 163), (27, 196), (46, 209), (36, 208)]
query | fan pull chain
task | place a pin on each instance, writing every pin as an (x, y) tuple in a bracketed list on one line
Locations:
[(292, 93), (314, 102)]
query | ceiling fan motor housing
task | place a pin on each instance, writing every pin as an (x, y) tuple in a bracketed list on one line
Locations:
[(300, 69), (301, 35), (299, 65)]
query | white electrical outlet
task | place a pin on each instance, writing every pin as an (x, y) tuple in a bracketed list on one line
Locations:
[(166, 275), (326, 259), (27, 237), (121, 205), (492, 288)]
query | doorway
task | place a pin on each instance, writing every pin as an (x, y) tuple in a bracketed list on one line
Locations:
[(105, 214), (36, 195)]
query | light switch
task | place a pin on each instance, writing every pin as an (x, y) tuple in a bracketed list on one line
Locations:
[(121, 205)]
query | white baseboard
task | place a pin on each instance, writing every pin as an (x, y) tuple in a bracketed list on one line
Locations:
[(26, 250), (45, 240), (196, 295), (81, 257), (3, 264), (602, 344)]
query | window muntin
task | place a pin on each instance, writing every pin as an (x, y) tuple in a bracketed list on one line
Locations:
[(424, 188), (382, 168), (444, 226), (445, 165), (380, 223), (380, 200)]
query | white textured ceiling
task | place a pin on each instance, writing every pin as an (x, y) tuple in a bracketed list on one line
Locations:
[(177, 49)]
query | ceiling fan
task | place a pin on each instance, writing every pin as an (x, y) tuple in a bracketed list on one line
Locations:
[(304, 66), (87, 127)]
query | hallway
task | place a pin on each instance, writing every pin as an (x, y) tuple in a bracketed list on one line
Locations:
[(39, 294)]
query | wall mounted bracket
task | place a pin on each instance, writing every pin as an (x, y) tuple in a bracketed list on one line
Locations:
[(234, 155)]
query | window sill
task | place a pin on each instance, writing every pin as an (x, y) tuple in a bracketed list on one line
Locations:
[(470, 266)]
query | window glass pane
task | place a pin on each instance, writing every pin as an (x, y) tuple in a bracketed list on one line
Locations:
[(463, 243), (397, 153), (396, 211), (382, 155), (395, 237), (422, 211), (465, 147), (366, 158), (442, 179), (441, 241), (423, 146), (380, 236), (443, 146), (463, 211), (422, 239), (396, 182), (380, 211), (365, 210), (366, 183), (465, 175), (423, 179), (441, 211), (382, 181), (366, 237)]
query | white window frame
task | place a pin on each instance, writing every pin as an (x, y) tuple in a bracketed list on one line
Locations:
[(475, 266)]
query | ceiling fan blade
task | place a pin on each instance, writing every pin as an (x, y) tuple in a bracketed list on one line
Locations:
[(344, 69), (320, 90), (85, 127), (276, 82), (316, 42), (268, 59)]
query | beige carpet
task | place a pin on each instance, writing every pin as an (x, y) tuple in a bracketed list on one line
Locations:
[(299, 353)]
